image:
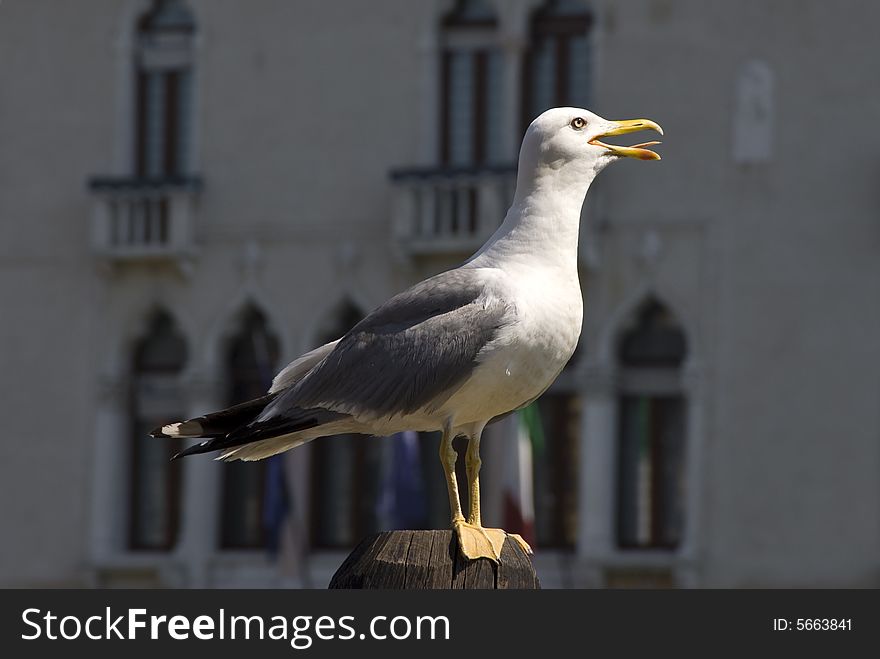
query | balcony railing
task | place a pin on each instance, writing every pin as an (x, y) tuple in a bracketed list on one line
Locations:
[(136, 219), (448, 211)]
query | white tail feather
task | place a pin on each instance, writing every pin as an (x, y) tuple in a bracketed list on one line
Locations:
[(183, 429)]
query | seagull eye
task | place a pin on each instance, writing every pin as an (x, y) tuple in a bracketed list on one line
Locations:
[(578, 123)]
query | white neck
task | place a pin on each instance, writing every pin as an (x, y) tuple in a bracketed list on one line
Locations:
[(541, 227)]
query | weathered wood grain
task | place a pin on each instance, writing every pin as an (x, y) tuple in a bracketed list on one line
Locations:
[(430, 560)]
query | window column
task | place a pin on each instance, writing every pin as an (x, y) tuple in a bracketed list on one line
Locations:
[(596, 470), (110, 494)]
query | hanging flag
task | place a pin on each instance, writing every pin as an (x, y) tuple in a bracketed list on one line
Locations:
[(525, 437)]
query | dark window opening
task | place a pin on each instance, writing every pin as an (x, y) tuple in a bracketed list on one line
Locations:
[(555, 470), (471, 79), (558, 60), (163, 91), (650, 461)]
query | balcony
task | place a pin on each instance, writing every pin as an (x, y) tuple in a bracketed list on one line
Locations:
[(137, 220), (448, 212)]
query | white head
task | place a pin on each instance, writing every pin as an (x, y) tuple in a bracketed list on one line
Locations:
[(560, 156), (566, 141)]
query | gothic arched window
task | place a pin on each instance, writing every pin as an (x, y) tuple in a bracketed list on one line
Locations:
[(158, 360), (558, 60), (251, 359), (345, 477), (163, 93), (651, 430)]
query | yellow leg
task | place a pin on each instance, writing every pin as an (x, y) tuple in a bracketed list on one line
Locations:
[(474, 524), (447, 459), (473, 541), (473, 464), (474, 520)]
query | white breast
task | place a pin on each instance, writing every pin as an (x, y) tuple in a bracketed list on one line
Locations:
[(528, 353)]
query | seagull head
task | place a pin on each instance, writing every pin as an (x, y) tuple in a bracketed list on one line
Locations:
[(573, 135)]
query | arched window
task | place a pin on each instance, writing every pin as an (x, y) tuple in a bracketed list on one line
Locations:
[(558, 60), (651, 430), (155, 481), (251, 359), (470, 78), (345, 477), (163, 94)]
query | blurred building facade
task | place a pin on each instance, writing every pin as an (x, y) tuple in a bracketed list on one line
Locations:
[(194, 193)]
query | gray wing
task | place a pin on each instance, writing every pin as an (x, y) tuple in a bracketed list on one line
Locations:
[(300, 367), (413, 352)]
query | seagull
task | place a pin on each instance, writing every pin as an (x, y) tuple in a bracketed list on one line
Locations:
[(455, 351)]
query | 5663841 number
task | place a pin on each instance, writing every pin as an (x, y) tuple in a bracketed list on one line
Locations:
[(823, 624)]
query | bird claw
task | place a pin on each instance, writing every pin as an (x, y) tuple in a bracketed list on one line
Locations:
[(516, 537)]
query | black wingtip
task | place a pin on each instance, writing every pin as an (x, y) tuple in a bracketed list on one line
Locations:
[(195, 449)]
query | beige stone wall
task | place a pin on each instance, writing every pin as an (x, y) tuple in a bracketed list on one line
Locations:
[(303, 108)]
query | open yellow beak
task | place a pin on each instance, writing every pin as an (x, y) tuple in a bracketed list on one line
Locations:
[(630, 126)]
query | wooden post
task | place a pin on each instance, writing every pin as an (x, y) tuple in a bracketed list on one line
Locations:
[(430, 560)]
